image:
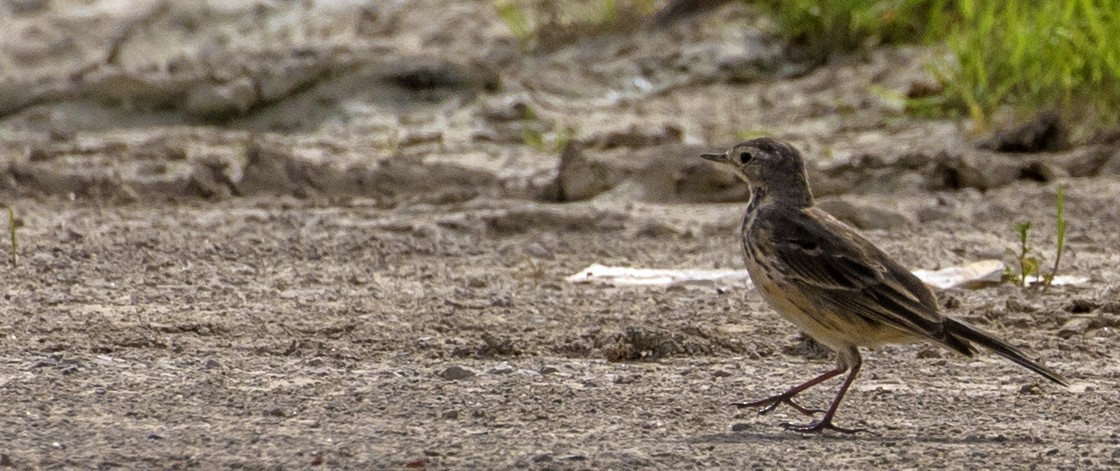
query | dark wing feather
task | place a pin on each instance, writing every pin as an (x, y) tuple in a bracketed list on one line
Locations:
[(831, 263)]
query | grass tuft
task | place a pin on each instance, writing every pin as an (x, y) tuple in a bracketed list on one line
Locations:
[(1029, 263), (1033, 56), (838, 26), (1010, 58)]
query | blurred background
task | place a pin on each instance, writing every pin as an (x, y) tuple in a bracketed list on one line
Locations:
[(190, 98)]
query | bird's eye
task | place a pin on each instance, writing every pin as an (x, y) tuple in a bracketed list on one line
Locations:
[(745, 157)]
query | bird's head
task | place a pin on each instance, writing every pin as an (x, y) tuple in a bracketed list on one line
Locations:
[(769, 166)]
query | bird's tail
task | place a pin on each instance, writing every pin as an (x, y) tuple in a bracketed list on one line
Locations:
[(967, 332)]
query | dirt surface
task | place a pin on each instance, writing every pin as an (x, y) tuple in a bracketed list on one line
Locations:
[(289, 235)]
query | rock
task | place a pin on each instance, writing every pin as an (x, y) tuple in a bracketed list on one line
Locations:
[(1044, 132), (424, 73), (266, 170), (221, 100), (291, 73), (1111, 166), (504, 109), (873, 173), (502, 369), (1042, 171), (930, 352), (538, 251), (863, 215), (546, 217), (581, 178), (633, 137), (1084, 161), (120, 88), (273, 168), (210, 178), (456, 372), (1077, 326), (655, 229), (934, 213), (676, 10), (661, 173), (982, 171), (696, 181)]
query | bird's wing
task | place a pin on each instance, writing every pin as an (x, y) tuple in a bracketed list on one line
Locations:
[(832, 264)]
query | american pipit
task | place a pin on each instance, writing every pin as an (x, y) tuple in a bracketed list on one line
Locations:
[(832, 283)]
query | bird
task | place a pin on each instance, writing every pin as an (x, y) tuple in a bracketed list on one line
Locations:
[(832, 283)]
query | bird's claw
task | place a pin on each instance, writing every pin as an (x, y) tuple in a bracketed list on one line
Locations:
[(768, 405)]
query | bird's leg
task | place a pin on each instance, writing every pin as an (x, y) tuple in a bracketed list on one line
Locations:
[(769, 404), (851, 359)]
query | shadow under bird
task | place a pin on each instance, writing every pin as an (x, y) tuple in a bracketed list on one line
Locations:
[(832, 283)]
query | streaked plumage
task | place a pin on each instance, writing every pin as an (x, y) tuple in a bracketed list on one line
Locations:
[(832, 283)]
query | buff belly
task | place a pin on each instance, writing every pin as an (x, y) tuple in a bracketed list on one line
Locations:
[(836, 329)]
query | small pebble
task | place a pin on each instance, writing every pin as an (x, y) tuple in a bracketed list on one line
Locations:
[(456, 372), (502, 369), (740, 427), (539, 251)]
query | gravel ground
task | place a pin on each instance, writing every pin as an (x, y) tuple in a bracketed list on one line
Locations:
[(363, 267)]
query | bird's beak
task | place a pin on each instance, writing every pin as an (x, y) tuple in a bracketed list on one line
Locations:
[(714, 157)]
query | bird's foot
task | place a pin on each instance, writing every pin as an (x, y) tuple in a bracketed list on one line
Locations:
[(768, 405), (819, 426)]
